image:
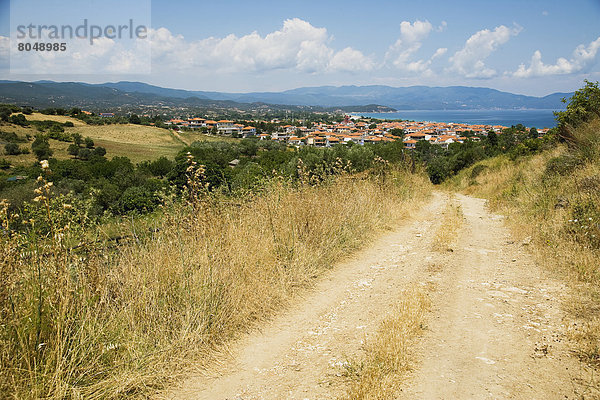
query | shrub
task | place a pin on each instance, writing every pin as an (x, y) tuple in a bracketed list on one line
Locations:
[(12, 149), (18, 119), (100, 151), (477, 170), (73, 150), (41, 148), (562, 165), (84, 153)]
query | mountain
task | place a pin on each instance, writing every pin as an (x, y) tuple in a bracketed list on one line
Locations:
[(137, 95), (402, 98), (347, 98)]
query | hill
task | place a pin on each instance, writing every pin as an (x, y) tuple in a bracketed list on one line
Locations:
[(402, 98), (135, 96), (132, 95)]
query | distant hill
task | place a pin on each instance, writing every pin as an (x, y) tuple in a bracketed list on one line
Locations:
[(131, 95), (323, 98), (401, 98)]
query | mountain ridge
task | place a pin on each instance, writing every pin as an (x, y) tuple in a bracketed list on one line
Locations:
[(327, 97)]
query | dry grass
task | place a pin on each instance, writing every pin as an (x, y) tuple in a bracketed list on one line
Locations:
[(138, 142), (452, 221), (58, 118), (388, 359), (554, 198), (102, 323)]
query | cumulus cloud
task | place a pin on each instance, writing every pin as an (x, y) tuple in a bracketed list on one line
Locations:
[(104, 56), (297, 45), (582, 57), (469, 61), (412, 35)]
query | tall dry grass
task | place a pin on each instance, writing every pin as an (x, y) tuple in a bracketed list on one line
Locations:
[(554, 198), (96, 321)]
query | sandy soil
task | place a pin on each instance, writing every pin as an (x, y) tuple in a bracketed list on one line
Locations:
[(495, 329)]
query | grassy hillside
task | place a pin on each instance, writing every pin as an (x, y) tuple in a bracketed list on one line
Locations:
[(108, 319), (137, 142), (552, 201)]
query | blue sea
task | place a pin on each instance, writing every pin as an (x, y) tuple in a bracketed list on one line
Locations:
[(530, 118)]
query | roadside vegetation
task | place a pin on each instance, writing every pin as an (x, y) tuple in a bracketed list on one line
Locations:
[(552, 200), (214, 251)]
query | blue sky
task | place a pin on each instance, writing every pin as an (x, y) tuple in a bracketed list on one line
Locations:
[(530, 47)]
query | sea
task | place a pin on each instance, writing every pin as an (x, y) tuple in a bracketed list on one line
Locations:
[(530, 118)]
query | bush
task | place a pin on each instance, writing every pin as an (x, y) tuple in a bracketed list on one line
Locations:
[(84, 154), (562, 165), (477, 170), (137, 199), (18, 119), (100, 151), (10, 137), (41, 148), (12, 149), (73, 150)]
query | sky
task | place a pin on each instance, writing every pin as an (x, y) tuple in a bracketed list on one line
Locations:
[(528, 47)]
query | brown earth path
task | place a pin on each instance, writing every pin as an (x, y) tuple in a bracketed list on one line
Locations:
[(495, 329)]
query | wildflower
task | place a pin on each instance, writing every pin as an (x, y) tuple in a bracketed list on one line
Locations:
[(40, 178), (44, 164), (67, 206)]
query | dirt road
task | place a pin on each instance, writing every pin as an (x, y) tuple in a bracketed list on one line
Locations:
[(495, 329)]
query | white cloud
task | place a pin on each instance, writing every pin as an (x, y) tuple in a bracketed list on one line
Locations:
[(350, 60), (582, 57), (410, 41), (469, 61), (297, 45)]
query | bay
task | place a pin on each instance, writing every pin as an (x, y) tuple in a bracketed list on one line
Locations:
[(530, 118)]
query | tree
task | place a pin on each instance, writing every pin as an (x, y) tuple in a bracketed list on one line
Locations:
[(583, 106), (41, 148), (492, 139), (77, 139), (18, 119), (134, 119), (84, 154), (89, 143), (533, 133), (100, 151), (12, 149), (73, 150)]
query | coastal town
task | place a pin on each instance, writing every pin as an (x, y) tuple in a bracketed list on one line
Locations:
[(352, 129)]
